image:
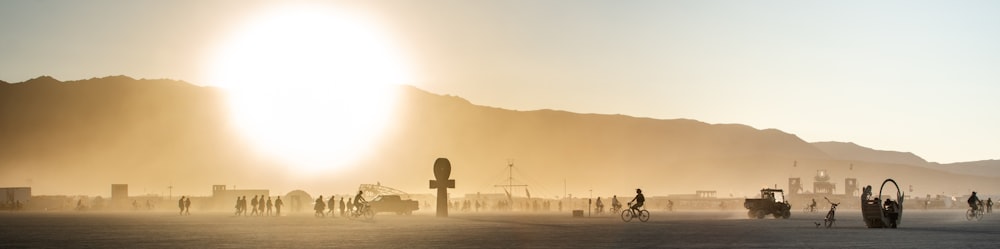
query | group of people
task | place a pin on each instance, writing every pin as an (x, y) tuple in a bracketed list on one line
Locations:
[(599, 205), (466, 205), (330, 207), (260, 206), (185, 205), (975, 203), (637, 202)]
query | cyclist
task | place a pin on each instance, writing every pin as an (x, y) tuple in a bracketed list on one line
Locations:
[(989, 205), (615, 204), (812, 206), (600, 205), (639, 199), (974, 201), (358, 201)]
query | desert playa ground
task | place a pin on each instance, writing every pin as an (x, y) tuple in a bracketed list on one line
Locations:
[(684, 229)]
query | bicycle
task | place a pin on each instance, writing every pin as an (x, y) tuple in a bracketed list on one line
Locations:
[(976, 214), (364, 212), (616, 209), (630, 213), (831, 215), (809, 209)]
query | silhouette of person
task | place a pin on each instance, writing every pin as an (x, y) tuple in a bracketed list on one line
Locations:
[(812, 206), (187, 206), (269, 205), (260, 206), (238, 206), (277, 206), (243, 206), (253, 204), (974, 201), (600, 205), (358, 201), (989, 205), (319, 207), (350, 206), (639, 200), (342, 206), (180, 204), (332, 205)]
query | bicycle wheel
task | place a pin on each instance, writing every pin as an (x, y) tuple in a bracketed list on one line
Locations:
[(828, 222), (627, 215), (969, 214), (369, 214), (643, 215), (979, 215)]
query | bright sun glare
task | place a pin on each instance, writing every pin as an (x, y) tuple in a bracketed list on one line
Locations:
[(309, 85)]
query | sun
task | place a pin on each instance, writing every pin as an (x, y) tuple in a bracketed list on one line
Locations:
[(308, 85)]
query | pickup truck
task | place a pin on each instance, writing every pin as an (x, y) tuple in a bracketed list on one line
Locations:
[(393, 204)]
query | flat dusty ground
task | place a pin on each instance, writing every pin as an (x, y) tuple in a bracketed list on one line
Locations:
[(686, 229)]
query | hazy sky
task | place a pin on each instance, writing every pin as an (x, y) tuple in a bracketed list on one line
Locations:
[(916, 76)]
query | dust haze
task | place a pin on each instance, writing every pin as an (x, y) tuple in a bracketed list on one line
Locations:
[(118, 156), (165, 137)]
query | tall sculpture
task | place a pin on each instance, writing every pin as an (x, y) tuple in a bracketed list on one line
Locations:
[(442, 170)]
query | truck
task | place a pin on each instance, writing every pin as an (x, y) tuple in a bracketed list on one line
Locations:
[(393, 204), (771, 201)]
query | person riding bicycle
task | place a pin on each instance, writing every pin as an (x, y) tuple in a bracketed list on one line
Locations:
[(812, 206), (615, 204), (638, 200), (359, 201), (600, 205), (974, 202), (989, 205)]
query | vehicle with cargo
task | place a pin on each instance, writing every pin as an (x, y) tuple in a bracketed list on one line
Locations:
[(771, 202)]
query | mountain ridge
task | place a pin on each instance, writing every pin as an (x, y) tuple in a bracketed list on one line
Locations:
[(143, 130)]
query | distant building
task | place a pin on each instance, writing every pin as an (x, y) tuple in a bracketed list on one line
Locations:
[(9, 197), (225, 199), (119, 196)]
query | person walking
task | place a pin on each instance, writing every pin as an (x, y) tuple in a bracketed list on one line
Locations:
[(319, 207), (187, 206), (238, 210), (253, 204), (277, 206), (260, 206), (269, 205), (332, 205), (243, 206), (180, 204), (342, 206)]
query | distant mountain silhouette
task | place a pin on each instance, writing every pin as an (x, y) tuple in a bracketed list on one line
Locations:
[(84, 135), (854, 152), (114, 130), (979, 168)]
